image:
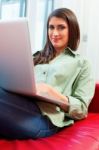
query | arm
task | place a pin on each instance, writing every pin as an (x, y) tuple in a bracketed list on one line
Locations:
[(82, 93), (53, 96)]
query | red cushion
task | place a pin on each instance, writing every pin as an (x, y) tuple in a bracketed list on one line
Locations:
[(94, 106), (82, 135)]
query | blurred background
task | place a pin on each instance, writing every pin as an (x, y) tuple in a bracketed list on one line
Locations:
[(37, 12)]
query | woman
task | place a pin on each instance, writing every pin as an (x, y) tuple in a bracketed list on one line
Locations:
[(62, 75)]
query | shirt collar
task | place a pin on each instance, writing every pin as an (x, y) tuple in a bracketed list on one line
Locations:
[(73, 52)]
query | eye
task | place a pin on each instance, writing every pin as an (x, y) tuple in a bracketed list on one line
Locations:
[(51, 27), (61, 27)]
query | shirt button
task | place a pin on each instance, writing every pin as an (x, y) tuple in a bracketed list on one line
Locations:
[(44, 72)]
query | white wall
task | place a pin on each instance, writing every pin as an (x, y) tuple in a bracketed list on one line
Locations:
[(92, 45)]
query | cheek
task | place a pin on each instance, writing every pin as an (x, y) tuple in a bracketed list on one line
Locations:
[(66, 36)]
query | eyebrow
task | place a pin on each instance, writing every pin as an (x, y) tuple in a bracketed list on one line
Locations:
[(57, 25)]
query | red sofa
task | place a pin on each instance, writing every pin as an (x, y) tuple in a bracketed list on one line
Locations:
[(83, 135)]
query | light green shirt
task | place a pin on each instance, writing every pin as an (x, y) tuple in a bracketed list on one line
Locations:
[(71, 75)]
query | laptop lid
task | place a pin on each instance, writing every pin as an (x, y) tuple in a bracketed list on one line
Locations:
[(16, 63)]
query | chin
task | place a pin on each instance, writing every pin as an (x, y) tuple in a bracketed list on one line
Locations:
[(56, 46)]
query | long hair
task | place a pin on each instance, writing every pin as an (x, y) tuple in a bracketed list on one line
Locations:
[(48, 53)]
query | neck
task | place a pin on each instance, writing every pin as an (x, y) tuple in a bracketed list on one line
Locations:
[(58, 51)]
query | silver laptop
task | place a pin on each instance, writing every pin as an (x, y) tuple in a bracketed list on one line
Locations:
[(16, 63)]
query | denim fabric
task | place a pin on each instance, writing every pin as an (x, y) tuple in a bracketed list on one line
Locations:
[(21, 118)]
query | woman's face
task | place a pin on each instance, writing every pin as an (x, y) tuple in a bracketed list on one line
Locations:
[(58, 33)]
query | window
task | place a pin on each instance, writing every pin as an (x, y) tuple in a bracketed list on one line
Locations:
[(38, 11), (44, 8), (12, 8)]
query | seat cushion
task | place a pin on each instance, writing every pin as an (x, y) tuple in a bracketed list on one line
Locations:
[(82, 135), (94, 105)]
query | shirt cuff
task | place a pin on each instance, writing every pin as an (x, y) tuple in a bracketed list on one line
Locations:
[(77, 110)]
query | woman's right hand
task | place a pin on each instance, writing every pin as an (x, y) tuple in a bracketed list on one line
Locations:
[(54, 96)]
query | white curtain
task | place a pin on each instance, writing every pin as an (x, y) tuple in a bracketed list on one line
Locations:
[(37, 12)]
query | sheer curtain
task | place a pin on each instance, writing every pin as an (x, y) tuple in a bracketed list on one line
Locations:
[(38, 11)]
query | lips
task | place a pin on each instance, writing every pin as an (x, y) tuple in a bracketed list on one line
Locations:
[(55, 40)]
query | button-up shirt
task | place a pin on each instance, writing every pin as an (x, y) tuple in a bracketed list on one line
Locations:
[(71, 75)]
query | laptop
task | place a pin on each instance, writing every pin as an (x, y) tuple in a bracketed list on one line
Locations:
[(16, 62)]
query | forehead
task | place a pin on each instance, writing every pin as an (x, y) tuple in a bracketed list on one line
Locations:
[(57, 21)]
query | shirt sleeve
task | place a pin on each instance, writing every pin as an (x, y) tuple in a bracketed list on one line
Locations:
[(82, 93)]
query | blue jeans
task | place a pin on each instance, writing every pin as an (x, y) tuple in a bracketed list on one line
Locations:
[(21, 118)]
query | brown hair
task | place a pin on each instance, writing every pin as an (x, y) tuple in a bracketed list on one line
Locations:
[(48, 53)]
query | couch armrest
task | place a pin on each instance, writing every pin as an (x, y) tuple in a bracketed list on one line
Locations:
[(94, 105)]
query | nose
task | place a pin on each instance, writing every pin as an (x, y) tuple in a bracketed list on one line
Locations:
[(55, 32)]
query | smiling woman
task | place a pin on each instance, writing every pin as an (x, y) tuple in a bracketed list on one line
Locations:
[(67, 75)]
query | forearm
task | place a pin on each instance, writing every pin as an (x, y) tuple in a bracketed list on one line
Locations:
[(61, 100)]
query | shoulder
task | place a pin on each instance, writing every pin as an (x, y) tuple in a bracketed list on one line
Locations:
[(84, 61), (86, 67)]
